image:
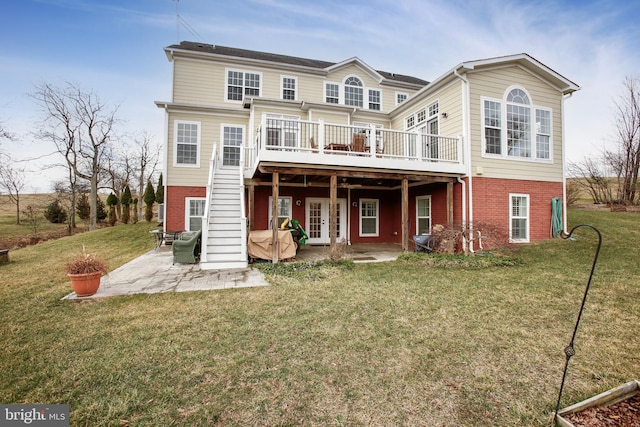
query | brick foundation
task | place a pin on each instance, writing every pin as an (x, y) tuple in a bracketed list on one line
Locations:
[(175, 205)]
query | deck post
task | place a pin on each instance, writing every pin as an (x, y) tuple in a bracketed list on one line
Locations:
[(450, 204), (252, 202), (275, 195), (405, 215), (333, 214)]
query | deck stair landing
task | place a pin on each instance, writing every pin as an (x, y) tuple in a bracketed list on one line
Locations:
[(224, 248)]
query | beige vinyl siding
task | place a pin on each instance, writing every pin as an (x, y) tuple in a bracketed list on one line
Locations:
[(493, 84), (209, 135), (198, 82)]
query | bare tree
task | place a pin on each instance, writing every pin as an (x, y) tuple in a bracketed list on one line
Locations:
[(592, 177), (147, 155), (11, 181), (625, 160), (81, 127)]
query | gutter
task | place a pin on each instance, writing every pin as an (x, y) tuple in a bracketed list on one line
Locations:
[(467, 155)]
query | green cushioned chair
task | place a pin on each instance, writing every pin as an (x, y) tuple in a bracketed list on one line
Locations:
[(186, 249)]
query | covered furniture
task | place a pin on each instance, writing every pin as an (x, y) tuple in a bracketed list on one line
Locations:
[(260, 245), (186, 249)]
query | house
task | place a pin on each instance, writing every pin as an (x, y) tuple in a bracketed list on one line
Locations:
[(357, 154)]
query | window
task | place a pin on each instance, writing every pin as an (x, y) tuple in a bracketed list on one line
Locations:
[(368, 217), (289, 88), (187, 143), (519, 218), (543, 134), (401, 97), (374, 99), (194, 211), (508, 128), (353, 93), (492, 128), (423, 215), (284, 210), (332, 93), (231, 145), (241, 84)]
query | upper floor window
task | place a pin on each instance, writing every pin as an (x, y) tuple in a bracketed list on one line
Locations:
[(353, 93), (508, 128), (374, 99), (186, 148), (289, 88), (332, 93), (401, 97), (241, 84)]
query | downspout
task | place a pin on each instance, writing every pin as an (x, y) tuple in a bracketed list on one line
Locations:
[(564, 168), (466, 132)]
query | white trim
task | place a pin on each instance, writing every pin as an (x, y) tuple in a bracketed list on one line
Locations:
[(175, 144), (503, 130), (295, 90), (377, 217), (418, 198), (527, 217), (187, 210), (226, 84)]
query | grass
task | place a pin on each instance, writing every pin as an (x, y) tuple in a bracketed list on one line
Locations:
[(443, 342)]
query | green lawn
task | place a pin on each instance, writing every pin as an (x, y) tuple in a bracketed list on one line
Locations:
[(400, 343)]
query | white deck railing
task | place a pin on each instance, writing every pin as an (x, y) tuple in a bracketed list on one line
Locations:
[(296, 141)]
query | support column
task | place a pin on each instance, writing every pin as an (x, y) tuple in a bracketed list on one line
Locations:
[(405, 215), (275, 195), (252, 203), (333, 214), (450, 204)]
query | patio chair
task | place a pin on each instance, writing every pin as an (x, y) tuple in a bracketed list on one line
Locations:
[(186, 249), (357, 144)]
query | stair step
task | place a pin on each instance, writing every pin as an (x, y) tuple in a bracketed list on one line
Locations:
[(224, 234), (225, 241), (221, 265)]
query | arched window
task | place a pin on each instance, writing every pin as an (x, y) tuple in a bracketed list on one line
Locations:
[(518, 124), (353, 92), (518, 96)]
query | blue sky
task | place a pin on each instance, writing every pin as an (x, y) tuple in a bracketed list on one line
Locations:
[(115, 49)]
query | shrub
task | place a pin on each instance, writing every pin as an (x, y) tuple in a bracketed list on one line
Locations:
[(149, 198), (125, 200), (83, 208), (101, 212), (112, 201), (55, 213)]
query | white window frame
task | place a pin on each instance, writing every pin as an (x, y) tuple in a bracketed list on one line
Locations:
[(326, 94), (176, 124), (244, 85), (289, 199), (222, 139), (526, 217), (533, 131), (403, 95), (187, 211), (283, 88), (418, 217), (361, 217)]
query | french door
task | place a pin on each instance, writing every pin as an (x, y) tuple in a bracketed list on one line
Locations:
[(317, 220)]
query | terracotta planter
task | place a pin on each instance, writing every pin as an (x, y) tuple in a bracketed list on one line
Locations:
[(85, 284)]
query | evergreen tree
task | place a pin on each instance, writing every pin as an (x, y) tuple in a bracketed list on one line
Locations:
[(125, 201), (160, 191), (55, 213), (83, 207), (101, 212), (149, 198), (134, 218), (112, 201)]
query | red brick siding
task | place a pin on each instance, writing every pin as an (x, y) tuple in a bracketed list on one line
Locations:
[(491, 203), (175, 205)]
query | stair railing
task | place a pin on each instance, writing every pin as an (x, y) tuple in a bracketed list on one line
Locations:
[(243, 213), (213, 165)]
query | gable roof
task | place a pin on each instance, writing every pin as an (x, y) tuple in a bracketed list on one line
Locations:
[(217, 50)]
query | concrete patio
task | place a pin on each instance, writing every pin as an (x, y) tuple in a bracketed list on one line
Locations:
[(154, 272)]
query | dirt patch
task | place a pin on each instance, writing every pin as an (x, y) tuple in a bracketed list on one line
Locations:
[(621, 414), (18, 242)]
